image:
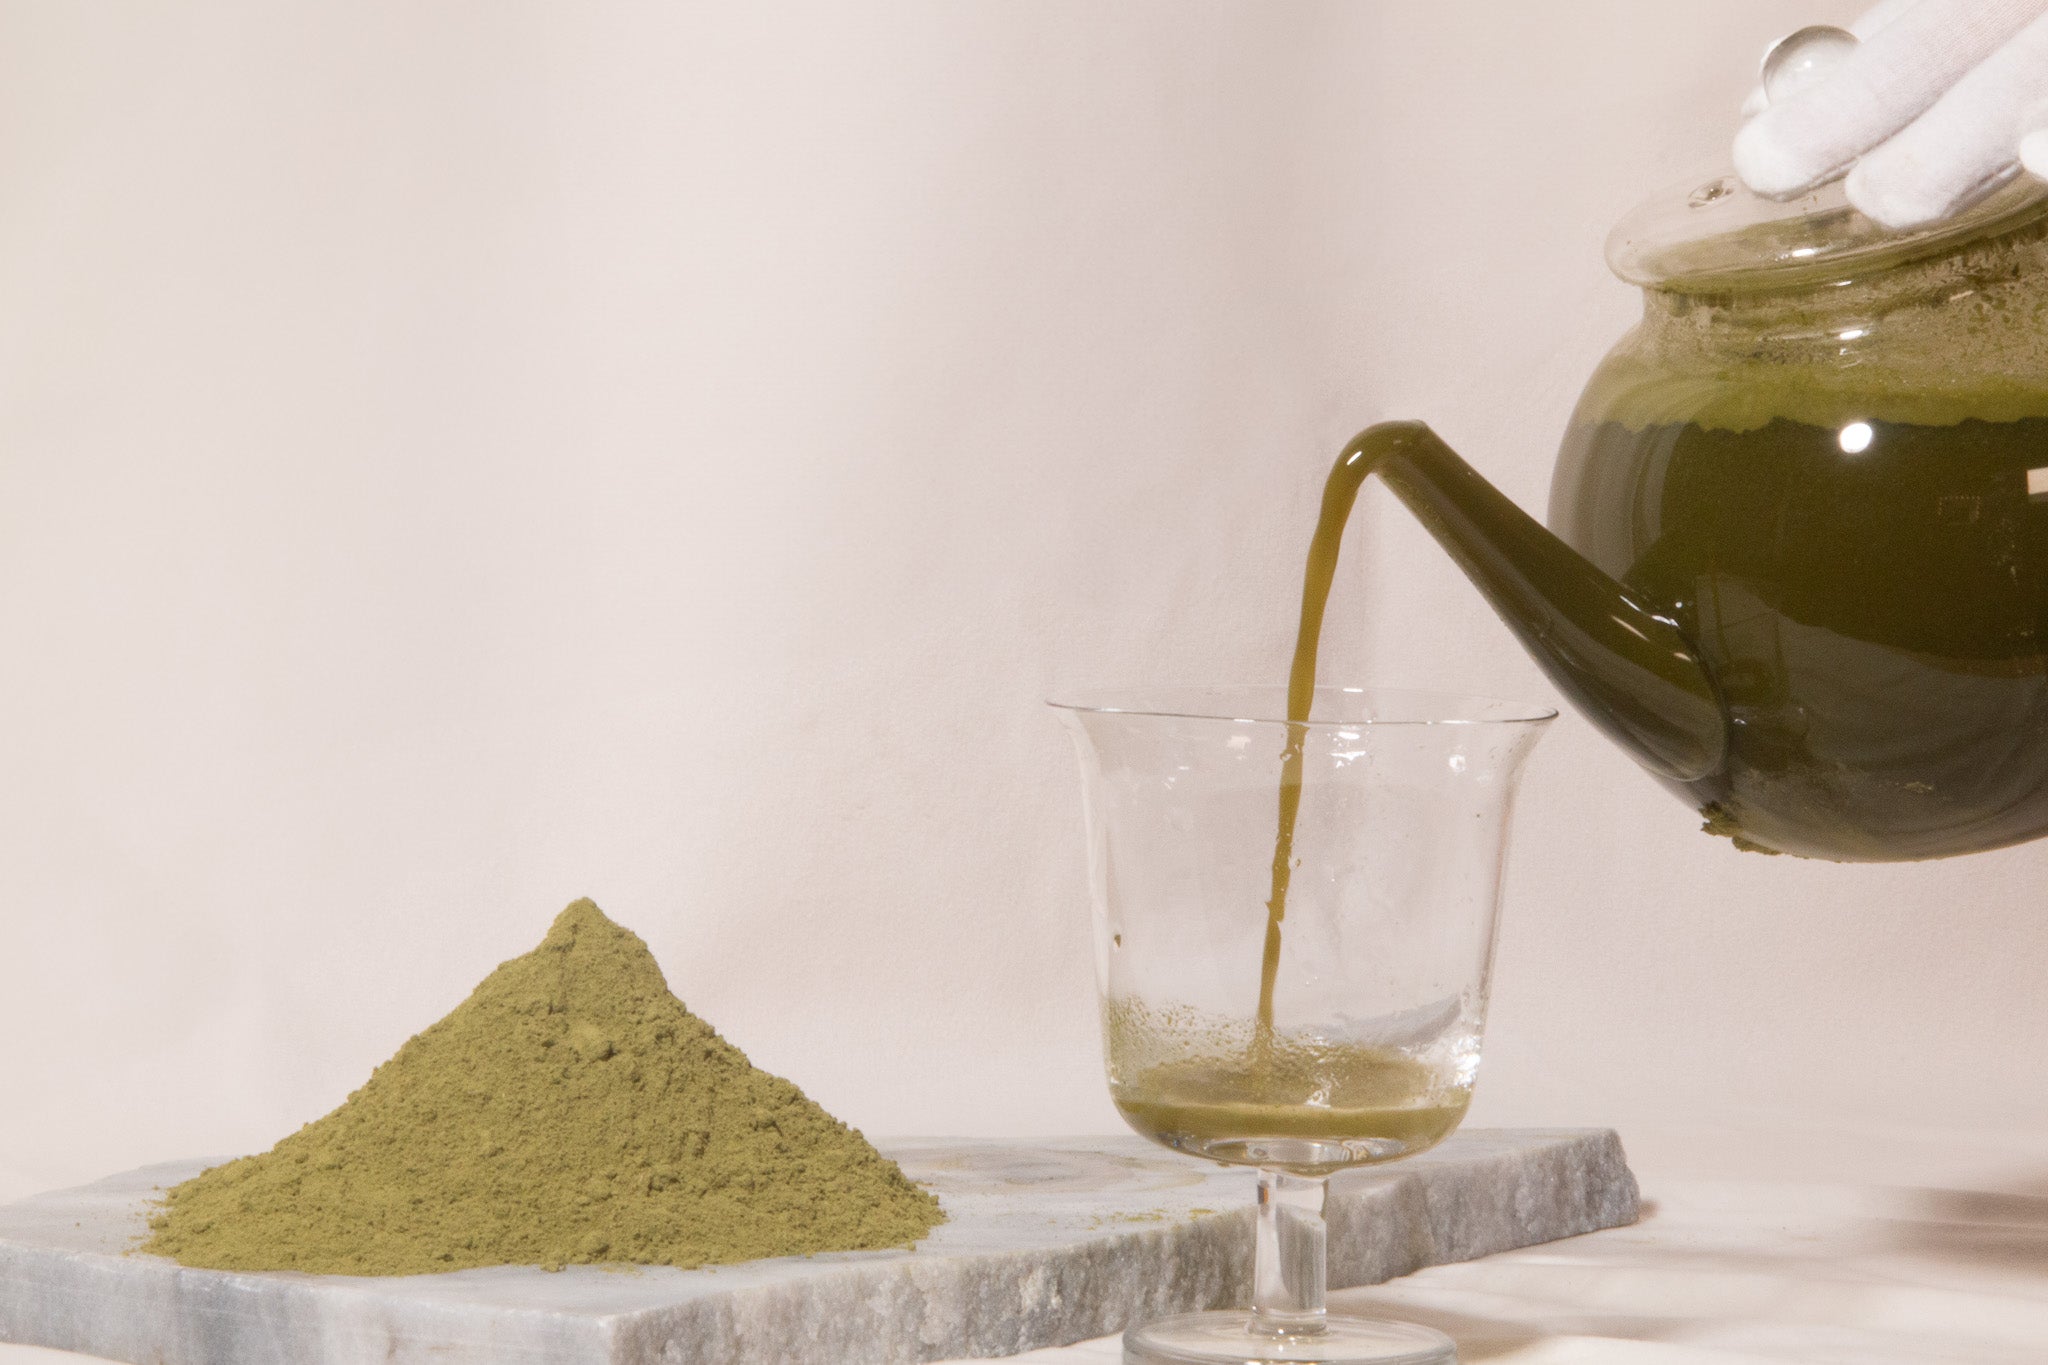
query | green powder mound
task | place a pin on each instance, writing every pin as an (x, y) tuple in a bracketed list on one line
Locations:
[(570, 1111)]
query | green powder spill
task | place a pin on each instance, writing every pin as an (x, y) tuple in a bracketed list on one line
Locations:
[(570, 1111)]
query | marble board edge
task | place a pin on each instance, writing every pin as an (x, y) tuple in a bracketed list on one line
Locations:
[(1483, 1191)]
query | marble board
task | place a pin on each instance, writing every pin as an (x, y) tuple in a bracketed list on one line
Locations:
[(1048, 1242)]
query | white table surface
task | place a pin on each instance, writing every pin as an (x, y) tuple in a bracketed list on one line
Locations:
[(1822, 1247)]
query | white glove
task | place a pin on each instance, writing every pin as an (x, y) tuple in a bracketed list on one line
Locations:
[(1942, 101)]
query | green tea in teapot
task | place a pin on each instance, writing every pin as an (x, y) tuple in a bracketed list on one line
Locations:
[(1870, 598)]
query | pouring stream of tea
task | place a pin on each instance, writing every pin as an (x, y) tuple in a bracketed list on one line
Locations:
[(1340, 491)]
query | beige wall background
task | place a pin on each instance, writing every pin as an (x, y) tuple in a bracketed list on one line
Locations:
[(459, 457)]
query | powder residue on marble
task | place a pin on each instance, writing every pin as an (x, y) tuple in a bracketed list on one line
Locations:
[(570, 1111)]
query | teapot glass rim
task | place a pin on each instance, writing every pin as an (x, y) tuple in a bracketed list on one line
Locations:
[(1710, 234)]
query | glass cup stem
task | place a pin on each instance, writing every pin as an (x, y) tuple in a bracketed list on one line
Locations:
[(1290, 1266)]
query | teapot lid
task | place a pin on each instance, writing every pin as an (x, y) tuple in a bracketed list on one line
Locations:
[(1713, 235)]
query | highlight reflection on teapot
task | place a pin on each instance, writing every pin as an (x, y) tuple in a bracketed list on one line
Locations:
[(1797, 561)]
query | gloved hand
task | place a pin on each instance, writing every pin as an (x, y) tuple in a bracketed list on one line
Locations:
[(1939, 103)]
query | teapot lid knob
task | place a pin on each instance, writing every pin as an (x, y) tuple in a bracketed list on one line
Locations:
[(1800, 58)]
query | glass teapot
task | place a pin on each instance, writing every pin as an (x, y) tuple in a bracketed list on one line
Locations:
[(1797, 555)]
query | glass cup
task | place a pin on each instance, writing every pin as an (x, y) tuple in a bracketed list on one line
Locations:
[(1299, 1009)]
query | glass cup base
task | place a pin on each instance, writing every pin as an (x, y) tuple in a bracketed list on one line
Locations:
[(1227, 1339)]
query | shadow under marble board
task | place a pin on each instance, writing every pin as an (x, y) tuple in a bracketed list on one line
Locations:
[(1048, 1242)]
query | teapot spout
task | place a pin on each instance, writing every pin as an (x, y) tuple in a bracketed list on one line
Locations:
[(1627, 669)]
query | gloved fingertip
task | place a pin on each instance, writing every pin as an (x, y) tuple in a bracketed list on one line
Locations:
[(2034, 153), (1755, 102), (1892, 201), (1768, 165)]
